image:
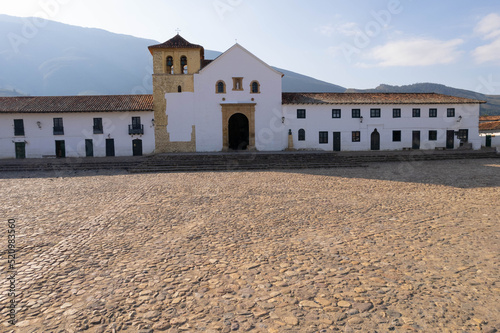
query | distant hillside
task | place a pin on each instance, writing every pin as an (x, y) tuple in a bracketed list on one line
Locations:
[(9, 93), (61, 59), (67, 60), (294, 82), (490, 108)]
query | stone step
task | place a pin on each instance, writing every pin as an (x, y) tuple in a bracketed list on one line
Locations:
[(193, 160), (281, 161), (26, 167), (239, 161), (236, 168)]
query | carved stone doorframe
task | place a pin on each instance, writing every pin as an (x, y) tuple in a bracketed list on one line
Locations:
[(247, 109)]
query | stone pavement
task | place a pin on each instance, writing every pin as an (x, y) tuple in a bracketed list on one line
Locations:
[(401, 247)]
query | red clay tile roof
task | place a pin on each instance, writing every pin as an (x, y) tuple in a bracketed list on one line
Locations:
[(176, 42), (489, 118), (373, 98), (54, 104), (490, 126)]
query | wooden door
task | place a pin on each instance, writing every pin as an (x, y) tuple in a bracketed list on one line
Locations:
[(450, 139), (137, 147), (416, 140), (488, 141), (20, 150), (375, 140), (110, 147), (336, 141), (60, 149), (89, 148)]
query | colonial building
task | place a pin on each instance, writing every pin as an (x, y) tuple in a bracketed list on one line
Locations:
[(76, 126), (489, 131), (381, 121), (234, 102)]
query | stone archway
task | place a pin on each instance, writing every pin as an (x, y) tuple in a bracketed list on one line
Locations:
[(246, 111), (238, 132)]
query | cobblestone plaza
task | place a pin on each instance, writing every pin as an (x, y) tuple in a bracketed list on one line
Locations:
[(403, 247)]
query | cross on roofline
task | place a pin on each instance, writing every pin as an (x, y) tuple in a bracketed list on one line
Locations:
[(178, 30)]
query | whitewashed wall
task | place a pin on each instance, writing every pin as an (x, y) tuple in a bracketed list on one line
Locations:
[(270, 134), (181, 111), (495, 139), (319, 118), (77, 128)]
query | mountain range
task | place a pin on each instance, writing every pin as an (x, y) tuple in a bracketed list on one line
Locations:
[(47, 58)]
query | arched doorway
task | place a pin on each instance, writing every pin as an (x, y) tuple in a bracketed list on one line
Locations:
[(239, 132), (375, 140)]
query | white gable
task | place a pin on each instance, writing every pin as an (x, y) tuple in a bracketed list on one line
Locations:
[(236, 56), (237, 62)]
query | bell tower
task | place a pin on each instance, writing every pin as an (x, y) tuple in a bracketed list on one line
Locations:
[(174, 64)]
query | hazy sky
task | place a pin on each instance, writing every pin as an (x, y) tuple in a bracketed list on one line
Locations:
[(355, 44)]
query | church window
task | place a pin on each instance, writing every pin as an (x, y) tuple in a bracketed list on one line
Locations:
[(220, 87), (237, 83), (255, 87), (302, 134), (179, 89), (184, 63), (170, 65)]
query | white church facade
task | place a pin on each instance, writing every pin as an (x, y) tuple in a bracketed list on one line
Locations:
[(234, 102)]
